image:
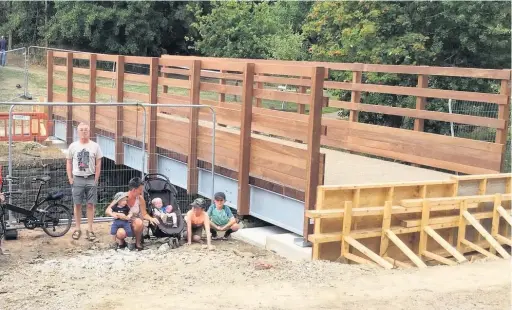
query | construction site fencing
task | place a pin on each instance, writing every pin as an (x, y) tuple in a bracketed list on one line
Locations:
[(121, 141)]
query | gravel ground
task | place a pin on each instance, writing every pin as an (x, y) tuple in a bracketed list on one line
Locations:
[(49, 273)]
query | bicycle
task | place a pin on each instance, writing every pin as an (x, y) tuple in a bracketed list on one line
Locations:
[(48, 218)]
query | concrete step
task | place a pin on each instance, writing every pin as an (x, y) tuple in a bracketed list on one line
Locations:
[(257, 236), (275, 239), (285, 245)]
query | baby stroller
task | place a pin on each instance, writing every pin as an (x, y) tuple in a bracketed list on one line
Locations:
[(158, 186)]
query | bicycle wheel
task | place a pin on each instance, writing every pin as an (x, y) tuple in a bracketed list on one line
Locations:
[(56, 220)]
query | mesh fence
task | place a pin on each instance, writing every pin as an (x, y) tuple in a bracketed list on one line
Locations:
[(31, 159), (473, 108), (48, 158)]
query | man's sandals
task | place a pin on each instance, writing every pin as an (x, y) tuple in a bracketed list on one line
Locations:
[(89, 235)]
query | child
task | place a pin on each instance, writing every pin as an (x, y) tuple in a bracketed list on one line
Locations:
[(163, 213), (121, 207), (221, 217)]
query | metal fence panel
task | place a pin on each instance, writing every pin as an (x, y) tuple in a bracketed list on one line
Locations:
[(48, 160)]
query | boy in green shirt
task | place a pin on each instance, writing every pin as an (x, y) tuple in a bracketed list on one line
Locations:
[(221, 217)]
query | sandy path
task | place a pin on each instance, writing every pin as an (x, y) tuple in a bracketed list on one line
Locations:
[(44, 273)]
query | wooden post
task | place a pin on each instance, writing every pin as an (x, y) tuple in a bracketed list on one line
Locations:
[(386, 224), (425, 217), (259, 85), (495, 219), (152, 117), (92, 95), (462, 225), (195, 92), (222, 96), (49, 90), (419, 124), (313, 150), (69, 97), (347, 226), (119, 148), (504, 114), (320, 197), (482, 189), (245, 141), (301, 108), (355, 97), (165, 88)]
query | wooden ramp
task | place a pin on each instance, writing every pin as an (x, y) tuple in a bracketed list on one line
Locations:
[(411, 224)]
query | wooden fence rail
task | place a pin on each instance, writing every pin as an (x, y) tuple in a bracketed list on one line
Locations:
[(413, 146)]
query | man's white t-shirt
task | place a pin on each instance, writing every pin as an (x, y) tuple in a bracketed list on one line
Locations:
[(84, 157)]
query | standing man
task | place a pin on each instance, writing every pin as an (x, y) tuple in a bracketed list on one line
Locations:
[(83, 168), (3, 45)]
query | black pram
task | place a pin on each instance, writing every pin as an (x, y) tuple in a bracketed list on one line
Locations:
[(158, 186)]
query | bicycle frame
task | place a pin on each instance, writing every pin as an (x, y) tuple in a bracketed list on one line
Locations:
[(32, 209)]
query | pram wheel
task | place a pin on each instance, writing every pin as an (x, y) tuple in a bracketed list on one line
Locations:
[(174, 243)]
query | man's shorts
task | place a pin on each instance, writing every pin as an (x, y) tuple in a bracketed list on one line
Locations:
[(84, 190), (121, 224)]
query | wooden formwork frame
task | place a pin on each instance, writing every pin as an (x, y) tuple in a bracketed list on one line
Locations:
[(452, 252)]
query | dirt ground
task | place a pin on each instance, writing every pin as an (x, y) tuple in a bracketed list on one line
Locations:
[(29, 152), (60, 273)]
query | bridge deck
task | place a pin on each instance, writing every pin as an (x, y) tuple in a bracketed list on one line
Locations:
[(344, 168)]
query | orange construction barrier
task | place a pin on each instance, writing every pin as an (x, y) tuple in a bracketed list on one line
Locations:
[(26, 126)]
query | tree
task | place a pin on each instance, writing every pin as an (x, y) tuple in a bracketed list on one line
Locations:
[(24, 20), (133, 28), (252, 30), (463, 34), (235, 29)]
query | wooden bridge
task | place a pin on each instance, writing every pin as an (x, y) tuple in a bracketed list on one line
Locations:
[(238, 89)]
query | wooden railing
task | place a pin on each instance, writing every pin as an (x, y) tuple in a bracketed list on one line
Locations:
[(413, 146)]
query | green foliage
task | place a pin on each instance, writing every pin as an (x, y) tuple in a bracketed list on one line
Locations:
[(112, 27), (136, 28), (463, 34), (235, 29), (287, 46), (252, 30), (25, 20)]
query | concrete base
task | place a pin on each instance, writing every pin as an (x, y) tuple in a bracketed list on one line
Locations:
[(275, 239), (284, 245), (257, 236)]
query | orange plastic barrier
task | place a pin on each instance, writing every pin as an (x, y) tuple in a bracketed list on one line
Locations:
[(26, 126)]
